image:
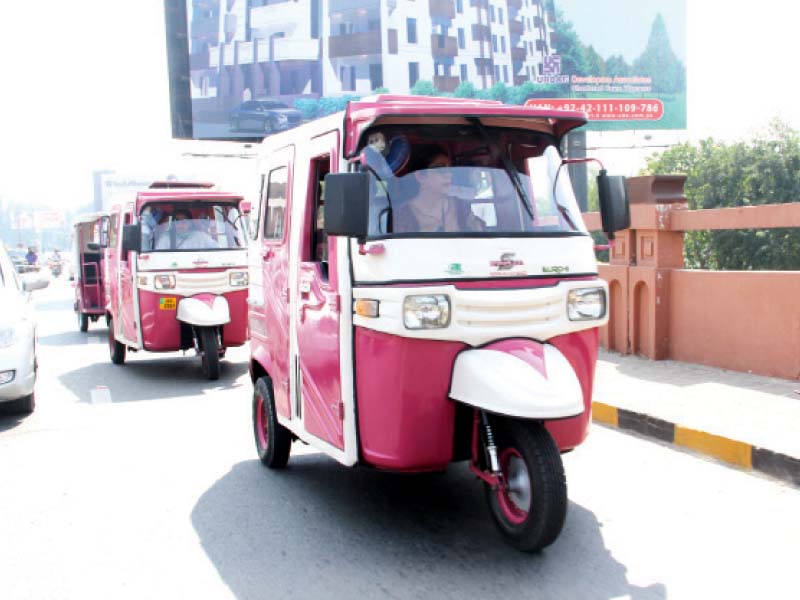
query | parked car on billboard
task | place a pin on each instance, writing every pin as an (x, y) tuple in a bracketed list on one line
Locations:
[(265, 116)]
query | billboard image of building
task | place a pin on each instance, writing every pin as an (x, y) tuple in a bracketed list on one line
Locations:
[(260, 66)]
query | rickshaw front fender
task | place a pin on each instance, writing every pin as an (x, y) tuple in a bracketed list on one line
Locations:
[(204, 310), (517, 378)]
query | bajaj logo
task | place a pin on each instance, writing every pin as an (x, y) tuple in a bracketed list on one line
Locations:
[(506, 262)]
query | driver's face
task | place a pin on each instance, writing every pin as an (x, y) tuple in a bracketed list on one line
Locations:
[(182, 223)]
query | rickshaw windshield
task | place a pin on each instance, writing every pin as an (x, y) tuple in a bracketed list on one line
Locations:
[(465, 188), (175, 227)]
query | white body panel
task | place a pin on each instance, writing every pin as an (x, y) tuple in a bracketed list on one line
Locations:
[(197, 312), (438, 259), (214, 259), (481, 316), (506, 385)]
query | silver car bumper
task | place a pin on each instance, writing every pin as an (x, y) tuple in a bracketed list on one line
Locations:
[(19, 358)]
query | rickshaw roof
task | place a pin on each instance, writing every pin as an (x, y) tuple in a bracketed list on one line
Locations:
[(184, 196), (379, 109), (89, 217)]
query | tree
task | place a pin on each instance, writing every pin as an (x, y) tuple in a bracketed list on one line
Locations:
[(764, 170), (573, 57), (617, 67), (423, 88), (659, 61), (594, 62)]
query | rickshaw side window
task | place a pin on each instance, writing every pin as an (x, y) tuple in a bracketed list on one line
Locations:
[(275, 209), (318, 239)]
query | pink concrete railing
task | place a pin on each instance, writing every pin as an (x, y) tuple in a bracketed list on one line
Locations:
[(741, 320)]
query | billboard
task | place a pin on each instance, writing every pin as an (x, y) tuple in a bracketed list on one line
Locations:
[(243, 69)]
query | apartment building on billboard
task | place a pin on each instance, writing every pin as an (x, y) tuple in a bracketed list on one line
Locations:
[(249, 49)]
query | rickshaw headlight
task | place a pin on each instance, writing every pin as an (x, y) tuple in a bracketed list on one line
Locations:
[(238, 278), (586, 303), (164, 282), (431, 311)]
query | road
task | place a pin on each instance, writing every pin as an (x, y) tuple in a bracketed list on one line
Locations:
[(149, 488)]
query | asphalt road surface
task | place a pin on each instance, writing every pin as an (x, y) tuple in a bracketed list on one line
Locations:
[(141, 481)]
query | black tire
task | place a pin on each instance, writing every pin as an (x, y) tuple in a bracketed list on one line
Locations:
[(209, 342), (268, 125), (273, 440), (115, 350), (528, 453), (21, 406), (83, 322)]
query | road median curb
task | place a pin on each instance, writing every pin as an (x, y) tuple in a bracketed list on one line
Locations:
[(733, 452)]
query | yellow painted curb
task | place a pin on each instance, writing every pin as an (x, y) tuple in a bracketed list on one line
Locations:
[(730, 451), (603, 413)]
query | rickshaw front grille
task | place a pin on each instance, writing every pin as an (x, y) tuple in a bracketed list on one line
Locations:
[(526, 313), (200, 282)]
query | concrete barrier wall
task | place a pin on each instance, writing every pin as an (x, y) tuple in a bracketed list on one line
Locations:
[(739, 320)]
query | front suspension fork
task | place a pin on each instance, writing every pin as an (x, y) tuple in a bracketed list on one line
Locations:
[(482, 436)]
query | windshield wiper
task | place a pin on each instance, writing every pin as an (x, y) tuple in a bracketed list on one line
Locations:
[(507, 164)]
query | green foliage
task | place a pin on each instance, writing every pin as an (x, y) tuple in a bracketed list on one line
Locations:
[(569, 46), (764, 170), (594, 62), (499, 91), (617, 67), (308, 107), (423, 88), (380, 90), (465, 89), (328, 106), (659, 61)]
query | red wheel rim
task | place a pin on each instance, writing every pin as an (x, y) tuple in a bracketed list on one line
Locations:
[(512, 501), (262, 428)]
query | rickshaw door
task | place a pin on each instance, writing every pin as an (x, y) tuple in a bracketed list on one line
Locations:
[(317, 366), (127, 289)]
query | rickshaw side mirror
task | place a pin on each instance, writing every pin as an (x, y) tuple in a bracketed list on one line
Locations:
[(93, 246), (347, 204), (132, 238), (615, 211)]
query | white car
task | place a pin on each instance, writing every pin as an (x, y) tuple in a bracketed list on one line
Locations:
[(17, 338)]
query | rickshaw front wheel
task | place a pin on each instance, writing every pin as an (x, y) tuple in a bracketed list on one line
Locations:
[(273, 440), (531, 507), (210, 343)]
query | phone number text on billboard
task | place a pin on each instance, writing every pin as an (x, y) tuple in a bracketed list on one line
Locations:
[(605, 109)]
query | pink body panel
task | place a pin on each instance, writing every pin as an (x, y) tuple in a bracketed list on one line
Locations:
[(406, 421), (318, 346), (580, 350), (161, 330)]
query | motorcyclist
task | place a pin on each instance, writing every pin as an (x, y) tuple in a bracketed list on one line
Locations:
[(31, 256)]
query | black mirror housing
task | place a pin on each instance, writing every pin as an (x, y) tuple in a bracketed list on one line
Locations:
[(347, 204), (615, 211), (93, 246), (132, 238)]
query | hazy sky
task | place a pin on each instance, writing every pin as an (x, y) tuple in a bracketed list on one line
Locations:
[(84, 85), (623, 26)]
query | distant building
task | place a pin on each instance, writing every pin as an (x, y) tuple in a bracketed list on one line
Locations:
[(246, 49)]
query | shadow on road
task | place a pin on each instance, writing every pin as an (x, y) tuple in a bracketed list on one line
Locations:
[(9, 421), (320, 530), (150, 378)]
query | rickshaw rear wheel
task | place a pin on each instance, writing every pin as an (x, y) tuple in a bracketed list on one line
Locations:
[(115, 349), (273, 440), (531, 508), (83, 322), (210, 344)]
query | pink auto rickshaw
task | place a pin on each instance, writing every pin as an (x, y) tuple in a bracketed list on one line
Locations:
[(425, 292), (177, 276), (90, 235)]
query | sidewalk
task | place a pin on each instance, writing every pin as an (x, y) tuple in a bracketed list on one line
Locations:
[(747, 420)]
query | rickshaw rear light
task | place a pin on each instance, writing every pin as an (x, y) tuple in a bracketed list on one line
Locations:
[(586, 303), (431, 311), (367, 308), (164, 282)]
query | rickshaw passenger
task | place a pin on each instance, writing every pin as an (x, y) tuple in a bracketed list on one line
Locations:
[(432, 208), (183, 236)]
